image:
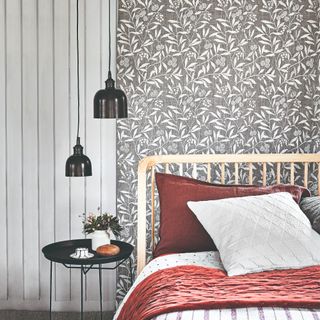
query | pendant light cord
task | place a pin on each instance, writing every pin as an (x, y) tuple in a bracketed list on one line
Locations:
[(78, 78), (109, 73)]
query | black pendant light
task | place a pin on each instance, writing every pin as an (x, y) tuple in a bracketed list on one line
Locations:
[(110, 102), (78, 165)]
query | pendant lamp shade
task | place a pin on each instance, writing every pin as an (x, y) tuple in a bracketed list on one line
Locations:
[(78, 164), (110, 102)]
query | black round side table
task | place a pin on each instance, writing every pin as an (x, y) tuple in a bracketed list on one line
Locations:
[(59, 252)]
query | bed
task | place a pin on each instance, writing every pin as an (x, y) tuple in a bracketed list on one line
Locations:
[(198, 285)]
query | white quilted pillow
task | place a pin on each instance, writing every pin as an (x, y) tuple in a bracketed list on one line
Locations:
[(259, 233)]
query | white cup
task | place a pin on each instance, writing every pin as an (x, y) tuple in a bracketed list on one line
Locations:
[(81, 253)]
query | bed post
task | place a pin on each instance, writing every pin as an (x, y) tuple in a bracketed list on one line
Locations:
[(142, 214)]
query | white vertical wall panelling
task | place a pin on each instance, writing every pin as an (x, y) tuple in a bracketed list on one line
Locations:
[(77, 185), (46, 139), (108, 134), (37, 132), (14, 149), (30, 151), (61, 131), (3, 192), (92, 83)]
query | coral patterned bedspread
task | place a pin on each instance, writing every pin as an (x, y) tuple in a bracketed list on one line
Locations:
[(193, 286)]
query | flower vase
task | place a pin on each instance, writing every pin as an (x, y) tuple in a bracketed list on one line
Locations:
[(99, 238)]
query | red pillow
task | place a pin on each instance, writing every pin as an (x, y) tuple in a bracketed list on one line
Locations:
[(180, 230)]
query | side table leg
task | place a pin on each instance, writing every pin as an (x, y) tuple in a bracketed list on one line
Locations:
[(81, 302), (100, 288), (50, 305)]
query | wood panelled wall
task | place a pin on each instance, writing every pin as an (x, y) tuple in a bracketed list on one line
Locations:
[(38, 204)]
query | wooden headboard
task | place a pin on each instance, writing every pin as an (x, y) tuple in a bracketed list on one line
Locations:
[(264, 162)]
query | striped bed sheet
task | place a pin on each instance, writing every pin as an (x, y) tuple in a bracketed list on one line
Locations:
[(243, 314), (212, 259)]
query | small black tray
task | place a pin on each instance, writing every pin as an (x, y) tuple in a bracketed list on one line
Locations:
[(60, 252)]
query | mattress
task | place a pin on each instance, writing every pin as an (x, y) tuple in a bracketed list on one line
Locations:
[(212, 260)]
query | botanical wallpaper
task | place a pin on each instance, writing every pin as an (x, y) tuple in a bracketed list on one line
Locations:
[(214, 76)]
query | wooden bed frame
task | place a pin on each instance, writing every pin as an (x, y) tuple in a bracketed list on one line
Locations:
[(149, 164)]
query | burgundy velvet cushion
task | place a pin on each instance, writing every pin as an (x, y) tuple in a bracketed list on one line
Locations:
[(180, 230)]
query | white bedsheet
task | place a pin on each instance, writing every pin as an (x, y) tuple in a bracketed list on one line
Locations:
[(212, 259)]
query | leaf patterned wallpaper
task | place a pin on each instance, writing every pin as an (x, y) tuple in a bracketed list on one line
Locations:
[(215, 76)]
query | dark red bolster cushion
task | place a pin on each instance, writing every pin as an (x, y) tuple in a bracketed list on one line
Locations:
[(180, 230)]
